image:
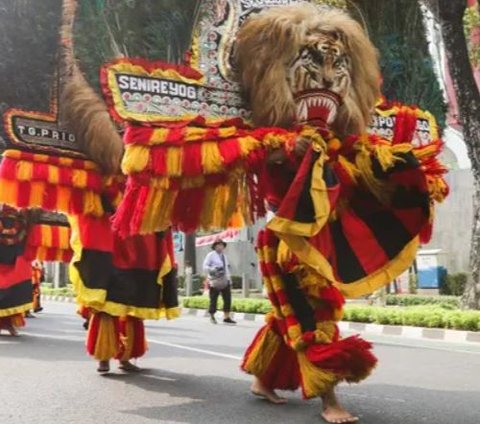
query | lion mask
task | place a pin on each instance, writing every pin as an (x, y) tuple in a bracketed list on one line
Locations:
[(285, 54)]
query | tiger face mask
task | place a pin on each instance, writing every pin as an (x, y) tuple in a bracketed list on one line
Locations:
[(319, 78)]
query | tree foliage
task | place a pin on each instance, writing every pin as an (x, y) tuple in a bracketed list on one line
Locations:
[(397, 29), (28, 42), (151, 29)]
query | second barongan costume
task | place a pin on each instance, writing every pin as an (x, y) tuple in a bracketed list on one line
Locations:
[(15, 270), (119, 281)]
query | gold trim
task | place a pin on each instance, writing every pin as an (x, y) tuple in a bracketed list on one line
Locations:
[(15, 310)]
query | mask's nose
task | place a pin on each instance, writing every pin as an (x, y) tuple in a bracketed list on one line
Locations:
[(327, 82)]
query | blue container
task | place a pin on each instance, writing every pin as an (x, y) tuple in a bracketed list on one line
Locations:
[(431, 278)]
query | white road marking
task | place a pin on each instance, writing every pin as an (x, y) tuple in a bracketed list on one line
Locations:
[(194, 349), (369, 396), (52, 336)]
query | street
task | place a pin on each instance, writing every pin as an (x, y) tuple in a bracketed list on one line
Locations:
[(191, 375)]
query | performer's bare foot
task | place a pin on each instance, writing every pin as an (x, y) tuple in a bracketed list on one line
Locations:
[(333, 412), (12, 330), (103, 366), (128, 366), (258, 389)]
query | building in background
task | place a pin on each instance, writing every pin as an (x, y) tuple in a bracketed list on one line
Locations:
[(454, 220)]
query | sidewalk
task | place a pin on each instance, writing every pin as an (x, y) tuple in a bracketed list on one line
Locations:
[(421, 333)]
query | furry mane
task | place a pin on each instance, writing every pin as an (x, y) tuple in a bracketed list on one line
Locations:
[(82, 109), (88, 118), (268, 42)]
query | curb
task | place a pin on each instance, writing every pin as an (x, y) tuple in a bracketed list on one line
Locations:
[(63, 299), (419, 333)]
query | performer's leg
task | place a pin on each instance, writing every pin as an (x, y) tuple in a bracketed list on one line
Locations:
[(333, 412), (37, 306), (258, 389), (103, 339), (134, 342), (272, 363), (11, 323), (213, 293), (227, 304)]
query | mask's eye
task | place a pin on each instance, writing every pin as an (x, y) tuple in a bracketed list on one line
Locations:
[(304, 53), (341, 61)]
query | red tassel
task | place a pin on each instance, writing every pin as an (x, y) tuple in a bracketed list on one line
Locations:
[(188, 209), (124, 214), (332, 296), (230, 151), (350, 358), (158, 156), (192, 160)]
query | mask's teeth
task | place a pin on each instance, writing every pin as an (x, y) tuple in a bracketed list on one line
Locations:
[(332, 115), (302, 110)]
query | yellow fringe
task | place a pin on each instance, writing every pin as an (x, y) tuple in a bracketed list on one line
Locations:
[(42, 158), (385, 156), (350, 168), (159, 209), (212, 161), (24, 170), (159, 136), (135, 159), (275, 141), (174, 161), (262, 354), (36, 192), (325, 331), (227, 132), (248, 144), (315, 381), (92, 204), (79, 178)]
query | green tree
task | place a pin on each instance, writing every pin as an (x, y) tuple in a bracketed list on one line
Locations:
[(150, 29), (28, 44), (397, 29)]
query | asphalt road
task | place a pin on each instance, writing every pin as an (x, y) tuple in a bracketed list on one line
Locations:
[(191, 375)]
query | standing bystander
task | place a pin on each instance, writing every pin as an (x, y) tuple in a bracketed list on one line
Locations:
[(219, 281)]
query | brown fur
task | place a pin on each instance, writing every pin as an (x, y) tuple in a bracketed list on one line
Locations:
[(87, 117), (268, 42), (82, 109)]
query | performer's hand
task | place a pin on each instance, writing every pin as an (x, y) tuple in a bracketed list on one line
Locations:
[(301, 146), (277, 156)]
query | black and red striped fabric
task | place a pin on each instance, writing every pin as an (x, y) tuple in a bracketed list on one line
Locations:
[(126, 268), (362, 233), (16, 293)]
